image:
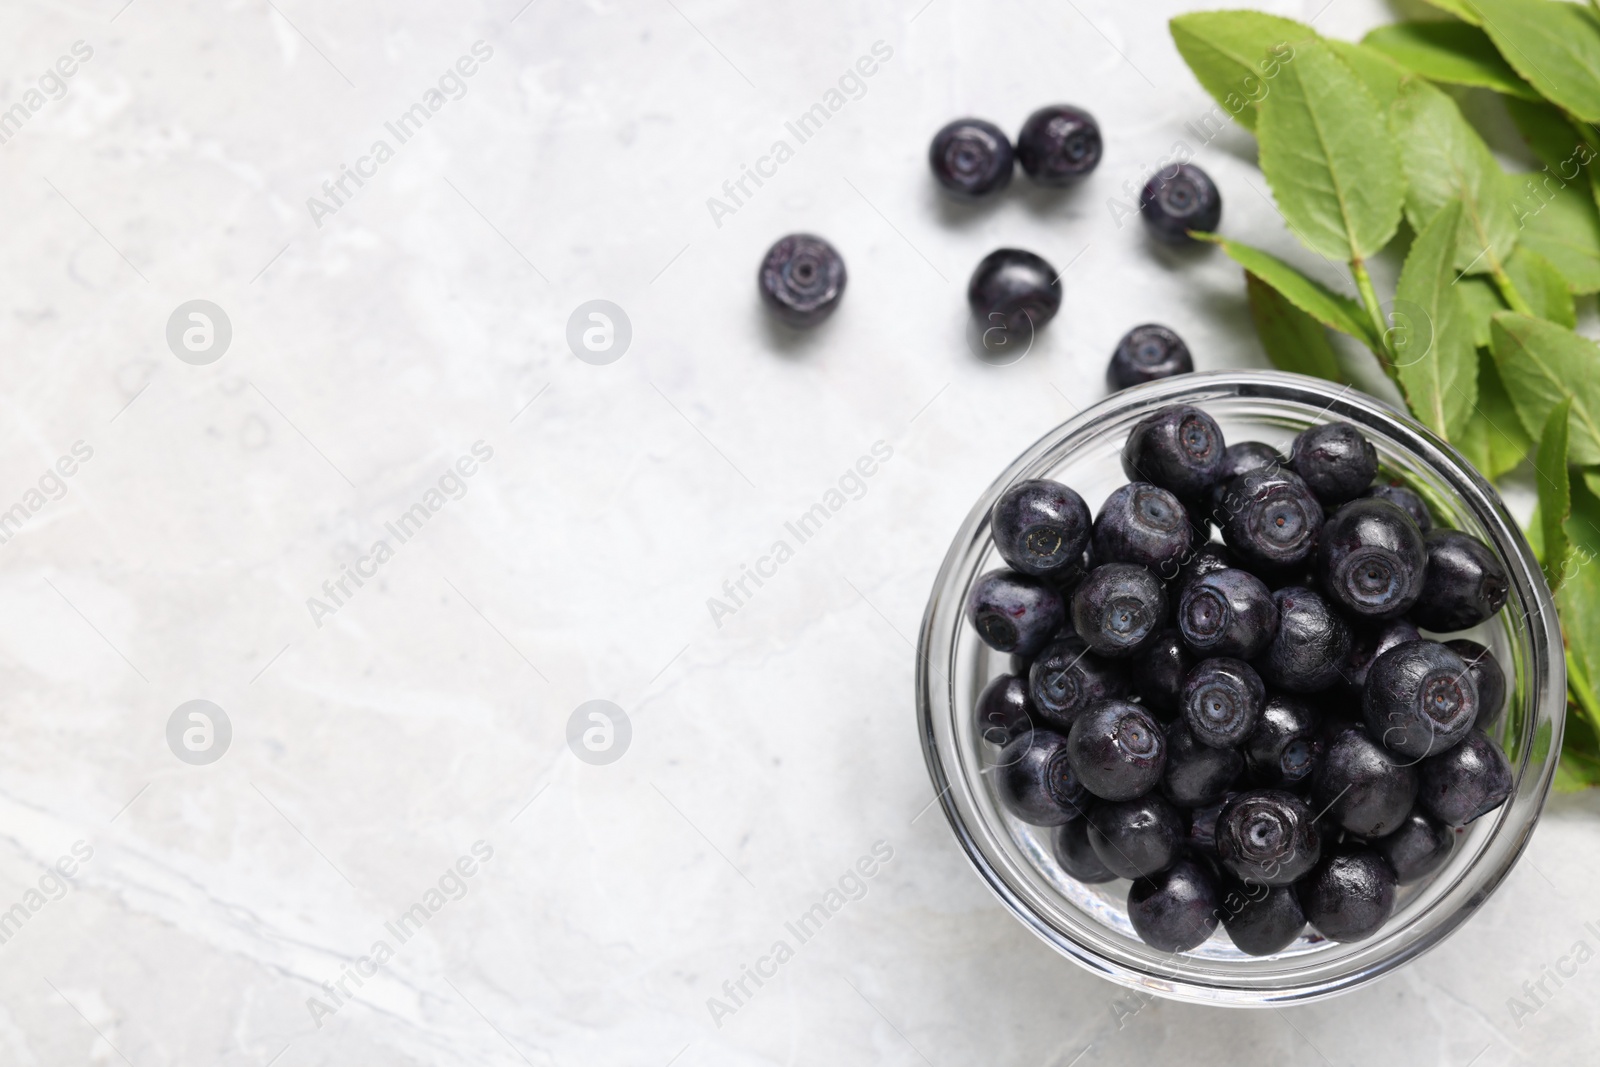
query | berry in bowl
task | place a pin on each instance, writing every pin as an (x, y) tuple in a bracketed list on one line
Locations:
[(1242, 688)]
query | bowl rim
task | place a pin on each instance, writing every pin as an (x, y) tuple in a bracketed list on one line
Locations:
[(1515, 820)]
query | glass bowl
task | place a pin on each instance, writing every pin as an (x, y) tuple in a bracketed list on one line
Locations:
[(1089, 923)]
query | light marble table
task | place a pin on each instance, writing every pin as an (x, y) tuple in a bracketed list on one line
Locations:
[(398, 799)]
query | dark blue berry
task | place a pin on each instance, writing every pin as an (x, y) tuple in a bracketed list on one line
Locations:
[(1176, 910), (1349, 895), (1202, 835), (1222, 701), (1197, 774), (1070, 843), (1159, 671), (1269, 518), (1067, 678), (1372, 560), (1465, 583), (1486, 675), (1262, 920), (802, 279), (1406, 500), (1469, 780), (1041, 528), (1336, 461), (1015, 291), (1117, 750), (1058, 145), (1286, 746), (1015, 613), (1419, 699), (1035, 781), (1369, 642), (971, 158), (1228, 613), (1268, 836), (1202, 560), (1119, 608), (1362, 786), (1308, 652), (1180, 199), (1138, 837), (1249, 456), (1004, 709), (1142, 524), (1145, 354), (1178, 448), (1418, 848)]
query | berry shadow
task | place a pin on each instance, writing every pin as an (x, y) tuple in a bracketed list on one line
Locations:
[(794, 342)]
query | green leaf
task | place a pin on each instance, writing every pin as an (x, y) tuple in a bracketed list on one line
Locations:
[(1541, 364), (1578, 602), (1537, 279), (1434, 356), (1494, 440), (1554, 45), (1459, 8), (1234, 54), (1480, 301), (1377, 71), (1332, 309), (1566, 230), (1294, 340), (1444, 158), (1552, 139), (1330, 157), (1451, 52), (1555, 491)]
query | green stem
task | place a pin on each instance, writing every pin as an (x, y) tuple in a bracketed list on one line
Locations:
[(1380, 328), (1509, 293)]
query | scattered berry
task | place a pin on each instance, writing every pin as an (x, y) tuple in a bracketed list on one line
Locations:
[(1015, 613), (802, 279), (1175, 203), (1145, 354), (1308, 653), (1058, 145), (1222, 701), (1118, 608), (1014, 290), (1117, 750), (1464, 585), (1041, 528), (971, 158), (1372, 560)]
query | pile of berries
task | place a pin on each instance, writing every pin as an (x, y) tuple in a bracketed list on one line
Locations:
[(1256, 732), (1014, 292)]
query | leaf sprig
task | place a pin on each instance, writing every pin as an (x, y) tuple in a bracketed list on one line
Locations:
[(1361, 142)]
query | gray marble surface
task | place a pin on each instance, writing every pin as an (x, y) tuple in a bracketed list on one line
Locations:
[(404, 742)]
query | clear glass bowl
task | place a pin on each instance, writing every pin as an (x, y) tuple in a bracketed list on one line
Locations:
[(1089, 923)]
